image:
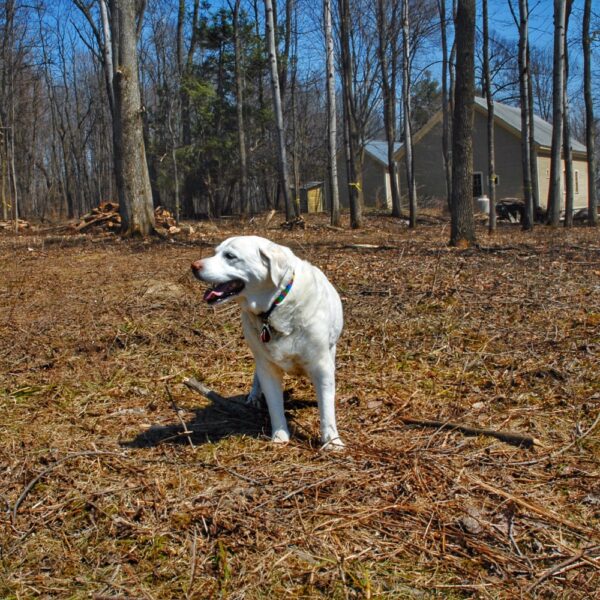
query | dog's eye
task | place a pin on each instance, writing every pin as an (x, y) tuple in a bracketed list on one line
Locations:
[(229, 256)]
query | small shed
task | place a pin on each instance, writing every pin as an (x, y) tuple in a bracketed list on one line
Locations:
[(311, 197)]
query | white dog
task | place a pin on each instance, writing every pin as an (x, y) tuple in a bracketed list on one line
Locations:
[(291, 316)]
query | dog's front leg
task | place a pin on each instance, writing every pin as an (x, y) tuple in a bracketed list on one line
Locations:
[(271, 381), (323, 378)]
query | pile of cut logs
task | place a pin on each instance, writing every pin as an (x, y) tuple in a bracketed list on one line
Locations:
[(107, 216), (10, 225)]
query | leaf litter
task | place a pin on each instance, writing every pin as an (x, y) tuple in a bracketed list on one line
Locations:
[(118, 481)]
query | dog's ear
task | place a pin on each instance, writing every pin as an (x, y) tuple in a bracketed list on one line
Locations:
[(276, 260)]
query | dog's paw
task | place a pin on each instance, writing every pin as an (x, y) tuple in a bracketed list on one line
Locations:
[(280, 436), (333, 444)]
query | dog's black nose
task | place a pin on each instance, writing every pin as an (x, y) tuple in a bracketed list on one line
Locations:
[(197, 266)]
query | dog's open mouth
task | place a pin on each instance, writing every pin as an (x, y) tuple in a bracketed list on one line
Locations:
[(223, 291)]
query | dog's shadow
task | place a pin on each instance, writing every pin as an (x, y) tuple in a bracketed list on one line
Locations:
[(221, 418)]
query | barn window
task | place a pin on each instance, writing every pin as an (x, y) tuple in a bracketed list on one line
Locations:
[(477, 184)]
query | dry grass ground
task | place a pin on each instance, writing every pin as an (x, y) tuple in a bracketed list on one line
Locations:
[(102, 496)]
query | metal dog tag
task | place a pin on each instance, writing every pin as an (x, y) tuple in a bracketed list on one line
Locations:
[(265, 333)]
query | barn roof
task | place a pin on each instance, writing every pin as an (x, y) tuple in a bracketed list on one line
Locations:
[(378, 150), (511, 116), (508, 117)]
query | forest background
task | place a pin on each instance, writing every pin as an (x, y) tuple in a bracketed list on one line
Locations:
[(56, 150)]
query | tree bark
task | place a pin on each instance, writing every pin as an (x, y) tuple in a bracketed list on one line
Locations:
[(408, 146), (239, 108), (350, 129), (445, 103), (387, 48), (334, 195), (524, 100), (131, 168), (462, 231), (281, 155), (589, 116), (295, 136), (567, 146), (107, 57), (13, 170), (535, 187), (490, 121), (555, 192)]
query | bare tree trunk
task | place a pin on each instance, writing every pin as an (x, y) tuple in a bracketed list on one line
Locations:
[(535, 179), (186, 125), (267, 186), (107, 57), (524, 101), (282, 156), (387, 37), (13, 171), (445, 103), (589, 116), (295, 144), (406, 104), (350, 133), (555, 192), (284, 61), (336, 220), (462, 231), (452, 66), (131, 168), (490, 121), (175, 166), (239, 107), (3, 171), (567, 147), (294, 102), (535, 185), (7, 110)]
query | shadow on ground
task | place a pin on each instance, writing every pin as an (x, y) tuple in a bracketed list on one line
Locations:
[(218, 420)]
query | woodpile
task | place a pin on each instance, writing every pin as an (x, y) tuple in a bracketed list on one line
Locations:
[(10, 225), (106, 214), (108, 217)]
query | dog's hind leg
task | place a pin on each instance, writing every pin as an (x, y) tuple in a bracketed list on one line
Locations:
[(271, 382), (254, 398), (323, 378)]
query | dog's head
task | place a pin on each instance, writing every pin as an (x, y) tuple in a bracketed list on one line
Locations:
[(242, 266)]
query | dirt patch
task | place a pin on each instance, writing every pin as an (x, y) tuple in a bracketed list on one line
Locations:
[(116, 480)]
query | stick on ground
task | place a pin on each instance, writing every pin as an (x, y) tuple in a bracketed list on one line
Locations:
[(213, 396), (510, 437)]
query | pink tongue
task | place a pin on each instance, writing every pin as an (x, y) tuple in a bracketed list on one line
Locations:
[(212, 295)]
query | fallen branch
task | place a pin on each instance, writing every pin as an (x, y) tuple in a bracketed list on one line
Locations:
[(561, 567), (370, 247), (213, 396), (101, 218), (510, 437)]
